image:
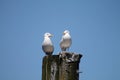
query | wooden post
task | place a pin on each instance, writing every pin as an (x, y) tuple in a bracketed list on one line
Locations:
[(64, 66)]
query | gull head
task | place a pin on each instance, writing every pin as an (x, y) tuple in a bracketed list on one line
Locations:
[(48, 35), (66, 32)]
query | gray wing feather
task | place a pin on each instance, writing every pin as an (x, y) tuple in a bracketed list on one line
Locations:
[(48, 49)]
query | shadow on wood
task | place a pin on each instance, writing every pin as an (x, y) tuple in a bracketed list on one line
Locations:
[(64, 66)]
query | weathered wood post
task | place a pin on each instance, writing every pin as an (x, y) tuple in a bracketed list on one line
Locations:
[(64, 66)]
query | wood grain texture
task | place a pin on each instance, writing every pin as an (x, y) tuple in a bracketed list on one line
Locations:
[(64, 66)]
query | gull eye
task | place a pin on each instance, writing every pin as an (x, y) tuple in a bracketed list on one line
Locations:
[(48, 34)]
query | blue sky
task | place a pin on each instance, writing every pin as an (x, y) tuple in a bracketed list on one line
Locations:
[(94, 27)]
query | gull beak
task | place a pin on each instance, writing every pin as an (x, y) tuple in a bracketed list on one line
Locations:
[(63, 33), (51, 35)]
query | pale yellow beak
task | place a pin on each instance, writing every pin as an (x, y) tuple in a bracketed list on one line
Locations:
[(63, 33), (51, 35)]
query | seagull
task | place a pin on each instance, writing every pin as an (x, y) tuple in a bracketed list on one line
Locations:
[(66, 41), (47, 45)]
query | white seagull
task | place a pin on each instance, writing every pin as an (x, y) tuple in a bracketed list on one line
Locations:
[(47, 45), (66, 41)]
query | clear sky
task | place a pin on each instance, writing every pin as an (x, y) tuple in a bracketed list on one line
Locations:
[(94, 27)]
